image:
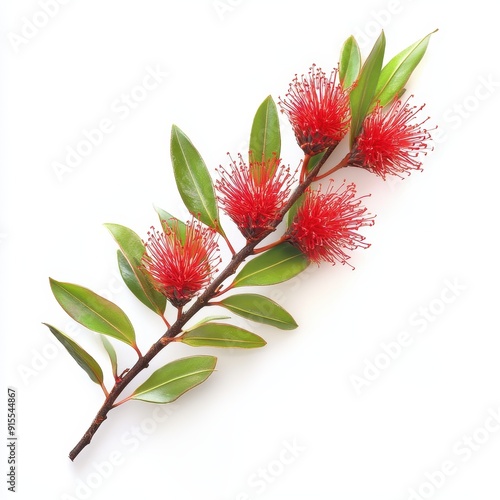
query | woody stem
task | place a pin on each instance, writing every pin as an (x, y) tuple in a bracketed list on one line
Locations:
[(183, 317)]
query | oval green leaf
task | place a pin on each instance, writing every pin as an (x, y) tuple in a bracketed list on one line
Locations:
[(130, 277), (350, 62), (82, 357), (265, 137), (362, 95), (259, 309), (193, 179), (398, 70), (112, 355), (130, 265), (221, 335), (93, 311), (278, 264), (174, 379)]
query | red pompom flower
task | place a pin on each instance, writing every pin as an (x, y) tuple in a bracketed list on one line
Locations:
[(326, 224), (181, 263), (253, 195), (390, 142), (318, 109)]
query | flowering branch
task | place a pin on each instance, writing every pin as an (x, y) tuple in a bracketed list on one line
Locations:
[(177, 265)]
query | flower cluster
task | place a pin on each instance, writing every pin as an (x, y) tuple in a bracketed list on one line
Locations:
[(181, 259), (318, 109), (391, 141), (252, 195), (326, 224)]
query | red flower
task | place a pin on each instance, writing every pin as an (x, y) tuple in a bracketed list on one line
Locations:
[(318, 109), (326, 223), (390, 142), (252, 195), (180, 265)]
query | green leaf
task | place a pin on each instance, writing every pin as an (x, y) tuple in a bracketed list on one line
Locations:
[(82, 357), (398, 70), (169, 221), (278, 264), (112, 355), (265, 137), (350, 62), (140, 287), (93, 311), (193, 179), (221, 335), (174, 379), (362, 95), (130, 264), (259, 309)]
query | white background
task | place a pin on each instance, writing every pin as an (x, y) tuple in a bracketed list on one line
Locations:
[(434, 238)]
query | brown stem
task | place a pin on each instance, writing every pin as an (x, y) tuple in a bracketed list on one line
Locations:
[(179, 312), (165, 321), (137, 350), (103, 387), (303, 170), (271, 245), (210, 292), (226, 239), (343, 163)]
